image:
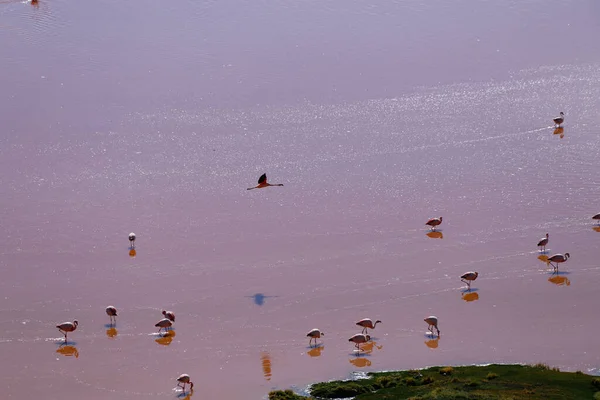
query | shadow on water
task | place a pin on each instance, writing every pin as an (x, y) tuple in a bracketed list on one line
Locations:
[(112, 332), (470, 296), (469, 290), (186, 395), (259, 298), (315, 351), (435, 235), (433, 343), (68, 351), (166, 338), (265, 359)]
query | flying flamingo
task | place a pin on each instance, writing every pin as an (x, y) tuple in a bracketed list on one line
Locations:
[(112, 313), (367, 323), (432, 322), (469, 277), (66, 327), (543, 242), (359, 338), (132, 240), (433, 222), (185, 379), (559, 120), (262, 183), (169, 314), (558, 258), (314, 334), (164, 323)]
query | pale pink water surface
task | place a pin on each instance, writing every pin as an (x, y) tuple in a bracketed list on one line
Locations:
[(154, 117)]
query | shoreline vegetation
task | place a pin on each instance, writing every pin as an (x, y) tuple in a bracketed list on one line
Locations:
[(493, 381)]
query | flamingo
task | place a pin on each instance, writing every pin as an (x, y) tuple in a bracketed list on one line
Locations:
[(543, 242), (559, 120), (169, 314), (112, 313), (558, 258), (66, 327), (314, 334), (433, 222), (262, 183), (597, 217), (432, 322), (185, 379), (367, 323), (132, 239), (469, 277), (164, 323), (359, 338)]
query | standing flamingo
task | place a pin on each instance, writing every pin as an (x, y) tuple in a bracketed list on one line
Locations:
[(597, 217), (132, 240), (367, 323), (432, 322), (185, 379), (558, 258), (67, 327), (469, 277), (559, 120), (112, 313), (314, 334), (433, 222), (262, 183), (543, 242), (359, 338), (164, 323)]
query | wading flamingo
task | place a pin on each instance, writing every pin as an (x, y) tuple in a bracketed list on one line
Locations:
[(185, 379), (559, 120), (367, 323), (262, 183), (169, 314), (359, 338), (469, 277), (543, 242), (597, 217), (433, 222), (432, 322), (558, 258), (164, 323), (314, 334), (66, 327), (132, 240), (112, 313)]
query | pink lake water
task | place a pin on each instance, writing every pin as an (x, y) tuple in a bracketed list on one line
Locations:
[(154, 117)]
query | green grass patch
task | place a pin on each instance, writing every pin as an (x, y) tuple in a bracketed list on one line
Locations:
[(491, 382)]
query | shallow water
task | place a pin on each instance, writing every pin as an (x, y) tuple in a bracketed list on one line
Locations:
[(155, 118)]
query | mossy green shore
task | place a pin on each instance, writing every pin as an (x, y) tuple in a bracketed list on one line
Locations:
[(493, 381)]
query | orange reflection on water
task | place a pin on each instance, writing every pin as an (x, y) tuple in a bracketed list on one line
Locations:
[(560, 131), (112, 332), (266, 365), (435, 235), (316, 351), (68, 351), (433, 343), (596, 228), (369, 346), (560, 280), (166, 339), (132, 253), (470, 296), (360, 362)]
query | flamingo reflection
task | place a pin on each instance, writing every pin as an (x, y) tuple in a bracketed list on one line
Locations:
[(435, 234), (560, 131), (559, 280), (166, 339), (470, 296), (360, 362), (433, 343), (132, 253), (596, 228), (68, 351), (368, 347), (316, 351), (266, 365), (543, 258), (112, 332)]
